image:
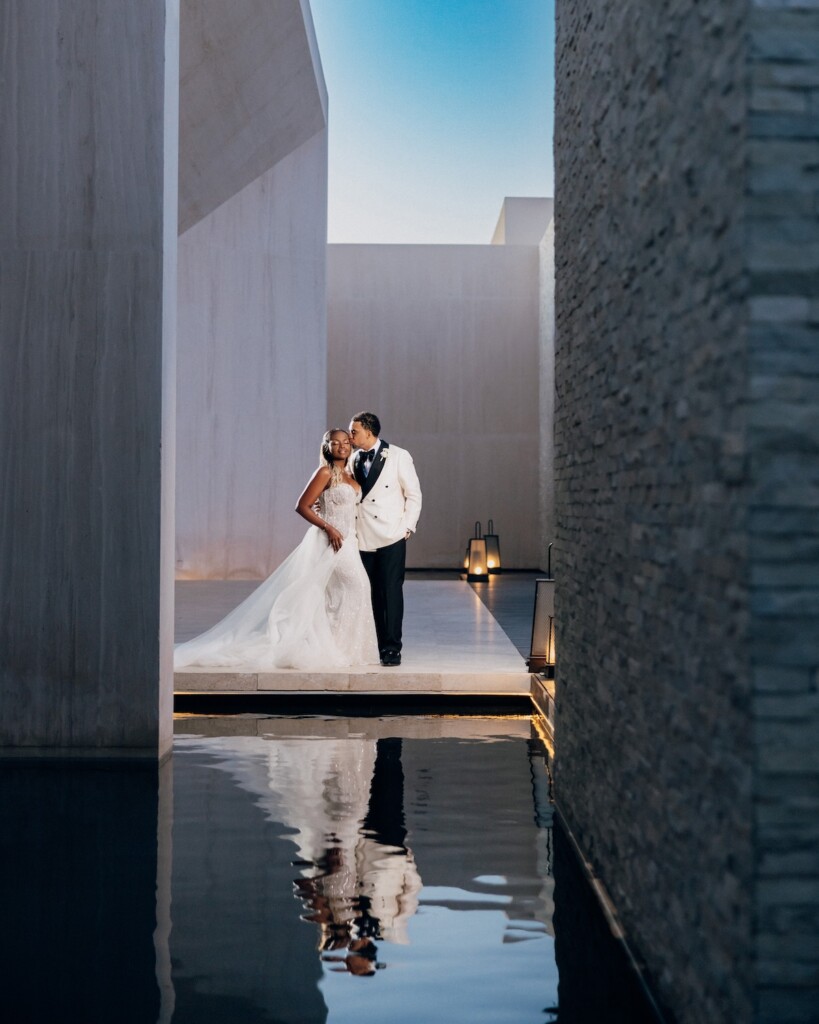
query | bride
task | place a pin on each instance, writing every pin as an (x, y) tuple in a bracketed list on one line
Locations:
[(314, 612)]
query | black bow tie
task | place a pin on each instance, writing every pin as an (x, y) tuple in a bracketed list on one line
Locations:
[(368, 456)]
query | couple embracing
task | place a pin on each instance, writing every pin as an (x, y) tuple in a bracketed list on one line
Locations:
[(337, 600)]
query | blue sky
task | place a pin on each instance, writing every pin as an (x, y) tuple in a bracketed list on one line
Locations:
[(438, 109)]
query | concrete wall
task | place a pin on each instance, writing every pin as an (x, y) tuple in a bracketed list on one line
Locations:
[(252, 369), (252, 91), (442, 343), (523, 220), (686, 485), (252, 320), (88, 166)]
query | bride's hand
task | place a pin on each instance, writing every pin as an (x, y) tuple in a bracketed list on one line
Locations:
[(334, 537)]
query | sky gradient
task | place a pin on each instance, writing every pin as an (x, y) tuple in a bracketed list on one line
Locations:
[(438, 109)]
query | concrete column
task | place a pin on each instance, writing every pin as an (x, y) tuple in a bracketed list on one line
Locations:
[(88, 175)]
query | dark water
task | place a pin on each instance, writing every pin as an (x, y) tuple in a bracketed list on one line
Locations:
[(304, 870)]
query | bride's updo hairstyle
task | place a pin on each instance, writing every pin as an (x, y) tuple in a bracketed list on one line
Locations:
[(326, 456)]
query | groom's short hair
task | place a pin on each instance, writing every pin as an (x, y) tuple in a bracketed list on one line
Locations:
[(369, 421)]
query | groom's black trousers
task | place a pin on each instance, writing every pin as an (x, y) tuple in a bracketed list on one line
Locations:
[(385, 567)]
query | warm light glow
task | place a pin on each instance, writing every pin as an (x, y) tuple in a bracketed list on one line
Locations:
[(542, 648), (493, 553), (476, 564)]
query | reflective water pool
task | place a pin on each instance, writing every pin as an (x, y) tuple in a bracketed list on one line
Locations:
[(338, 869), (306, 870)]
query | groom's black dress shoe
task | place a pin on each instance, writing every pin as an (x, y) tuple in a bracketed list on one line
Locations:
[(390, 658)]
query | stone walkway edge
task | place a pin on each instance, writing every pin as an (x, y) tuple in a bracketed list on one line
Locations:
[(453, 645)]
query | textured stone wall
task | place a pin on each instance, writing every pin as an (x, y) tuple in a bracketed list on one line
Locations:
[(546, 320), (654, 726), (783, 445), (687, 469)]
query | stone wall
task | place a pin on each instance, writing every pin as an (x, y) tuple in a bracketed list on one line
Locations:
[(783, 448), (546, 320), (687, 481), (654, 725)]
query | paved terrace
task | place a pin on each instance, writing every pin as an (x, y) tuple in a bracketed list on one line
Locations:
[(453, 642)]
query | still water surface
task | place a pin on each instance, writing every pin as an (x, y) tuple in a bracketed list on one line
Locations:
[(341, 870), (304, 870)]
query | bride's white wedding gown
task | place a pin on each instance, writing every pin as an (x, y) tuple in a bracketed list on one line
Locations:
[(313, 613)]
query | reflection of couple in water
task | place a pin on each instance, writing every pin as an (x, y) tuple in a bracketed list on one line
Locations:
[(359, 884), (340, 921)]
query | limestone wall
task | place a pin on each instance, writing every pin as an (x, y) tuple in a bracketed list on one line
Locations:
[(654, 730), (252, 270), (252, 91), (523, 220), (252, 370), (442, 343), (88, 168)]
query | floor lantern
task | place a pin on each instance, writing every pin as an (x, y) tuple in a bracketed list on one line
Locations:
[(476, 571), (542, 648), (493, 555)]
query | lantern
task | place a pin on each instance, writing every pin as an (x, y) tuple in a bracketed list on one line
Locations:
[(542, 648), (493, 556), (476, 571)]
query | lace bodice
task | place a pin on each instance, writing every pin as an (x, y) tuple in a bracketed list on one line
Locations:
[(337, 506)]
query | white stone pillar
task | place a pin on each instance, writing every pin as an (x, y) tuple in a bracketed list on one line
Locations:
[(88, 179)]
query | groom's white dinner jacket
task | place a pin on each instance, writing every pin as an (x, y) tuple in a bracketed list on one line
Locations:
[(391, 497)]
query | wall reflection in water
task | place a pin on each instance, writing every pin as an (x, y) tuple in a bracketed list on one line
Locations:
[(596, 979), (82, 852)]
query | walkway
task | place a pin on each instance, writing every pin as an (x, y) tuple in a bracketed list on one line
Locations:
[(453, 644)]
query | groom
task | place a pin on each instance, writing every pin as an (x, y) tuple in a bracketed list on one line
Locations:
[(387, 516)]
